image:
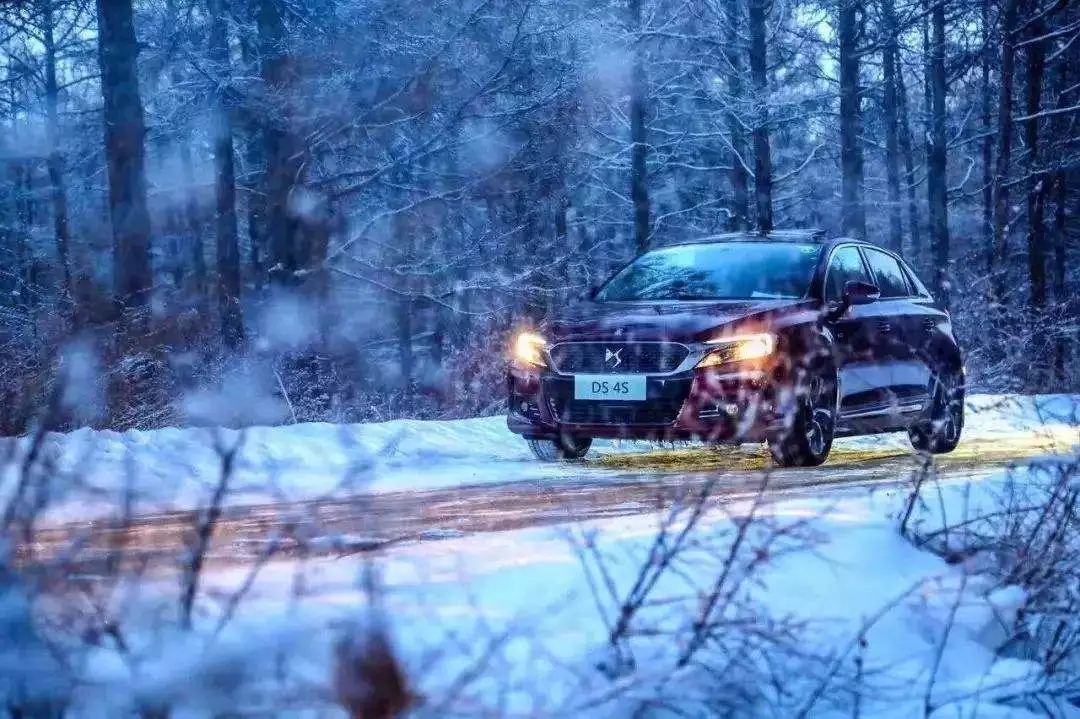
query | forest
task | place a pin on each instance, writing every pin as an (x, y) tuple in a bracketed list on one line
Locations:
[(349, 205)]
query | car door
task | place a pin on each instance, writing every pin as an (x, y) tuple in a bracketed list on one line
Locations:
[(929, 328), (857, 355), (899, 321)]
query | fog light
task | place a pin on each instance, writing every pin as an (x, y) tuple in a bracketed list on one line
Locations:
[(714, 410)]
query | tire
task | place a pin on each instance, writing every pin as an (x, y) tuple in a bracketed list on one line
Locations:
[(562, 449), (941, 433), (807, 435)]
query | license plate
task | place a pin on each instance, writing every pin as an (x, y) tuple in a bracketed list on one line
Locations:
[(628, 388)]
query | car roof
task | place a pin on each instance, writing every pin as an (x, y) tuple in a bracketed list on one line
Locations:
[(805, 235)]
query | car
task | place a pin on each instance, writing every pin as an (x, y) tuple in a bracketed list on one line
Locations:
[(790, 338)]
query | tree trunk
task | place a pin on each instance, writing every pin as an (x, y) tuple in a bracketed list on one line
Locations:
[(988, 138), (759, 79), (125, 153), (188, 222), (937, 171), (282, 146), (254, 181), (1061, 293), (1004, 153), (256, 221), (928, 113), (639, 188), (853, 214), (1037, 187), (1037, 192), (24, 226), (889, 107), (192, 219), (740, 178), (228, 246), (406, 359), (1060, 239), (404, 304), (908, 153), (58, 194)]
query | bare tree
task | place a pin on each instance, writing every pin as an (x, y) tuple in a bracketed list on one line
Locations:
[(890, 107), (639, 170), (740, 177), (937, 174), (908, 153), (282, 146), (1038, 187), (125, 151), (759, 80), (853, 213), (228, 247), (1004, 150), (986, 110), (57, 180), (1060, 243)]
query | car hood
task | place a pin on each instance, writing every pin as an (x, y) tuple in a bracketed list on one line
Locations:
[(681, 321)]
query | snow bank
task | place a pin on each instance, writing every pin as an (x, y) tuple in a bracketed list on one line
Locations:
[(1052, 417), (919, 628), (177, 468), (886, 624)]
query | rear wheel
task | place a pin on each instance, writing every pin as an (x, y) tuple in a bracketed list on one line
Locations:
[(807, 434), (941, 433), (563, 448)]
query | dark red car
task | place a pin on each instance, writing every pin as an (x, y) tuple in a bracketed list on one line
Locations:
[(788, 338)]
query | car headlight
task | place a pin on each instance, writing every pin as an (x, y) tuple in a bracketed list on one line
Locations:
[(738, 348), (529, 349)]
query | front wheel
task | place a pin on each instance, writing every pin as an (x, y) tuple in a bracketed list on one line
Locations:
[(563, 448), (941, 433), (807, 434)]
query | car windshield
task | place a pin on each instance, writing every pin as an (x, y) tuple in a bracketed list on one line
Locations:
[(716, 271)]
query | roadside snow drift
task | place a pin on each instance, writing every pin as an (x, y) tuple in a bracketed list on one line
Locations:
[(177, 468), (827, 612)]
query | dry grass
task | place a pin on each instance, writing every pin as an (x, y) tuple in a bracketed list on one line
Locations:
[(756, 457)]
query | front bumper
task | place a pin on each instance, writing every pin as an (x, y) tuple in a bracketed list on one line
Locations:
[(734, 404)]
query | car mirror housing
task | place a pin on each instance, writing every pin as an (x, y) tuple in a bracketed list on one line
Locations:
[(860, 293), (855, 293)]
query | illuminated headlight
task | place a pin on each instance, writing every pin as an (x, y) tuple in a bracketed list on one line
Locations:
[(529, 349), (739, 348)]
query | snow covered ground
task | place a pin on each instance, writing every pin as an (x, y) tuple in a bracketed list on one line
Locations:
[(177, 468), (820, 591), (508, 625)]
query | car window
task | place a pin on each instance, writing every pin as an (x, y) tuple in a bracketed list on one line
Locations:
[(887, 274), (716, 271), (845, 266), (914, 281)]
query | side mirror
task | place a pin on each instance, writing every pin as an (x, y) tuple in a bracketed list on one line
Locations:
[(590, 292), (855, 293), (860, 293)]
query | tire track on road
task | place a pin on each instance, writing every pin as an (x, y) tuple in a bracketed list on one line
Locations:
[(366, 523)]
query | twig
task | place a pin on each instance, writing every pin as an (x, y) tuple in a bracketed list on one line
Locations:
[(288, 402), (204, 529)]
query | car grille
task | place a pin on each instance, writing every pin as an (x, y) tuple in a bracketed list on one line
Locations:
[(618, 357), (577, 412), (662, 407)]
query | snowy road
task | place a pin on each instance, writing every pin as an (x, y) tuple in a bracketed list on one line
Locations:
[(613, 485), (344, 489)]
